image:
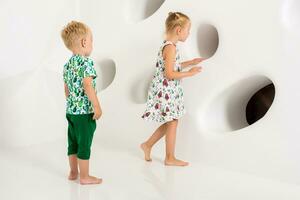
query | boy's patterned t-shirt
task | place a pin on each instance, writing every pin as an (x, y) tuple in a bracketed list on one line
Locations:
[(77, 68)]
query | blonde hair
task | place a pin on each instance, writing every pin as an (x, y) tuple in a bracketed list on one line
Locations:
[(73, 32), (176, 19)]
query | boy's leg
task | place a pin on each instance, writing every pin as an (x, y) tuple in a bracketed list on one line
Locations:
[(155, 137), (73, 166), (85, 178), (170, 145), (86, 128), (72, 149)]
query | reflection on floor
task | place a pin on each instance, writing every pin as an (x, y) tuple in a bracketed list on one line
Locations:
[(40, 172)]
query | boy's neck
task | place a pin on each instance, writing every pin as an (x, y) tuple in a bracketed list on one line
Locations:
[(78, 52)]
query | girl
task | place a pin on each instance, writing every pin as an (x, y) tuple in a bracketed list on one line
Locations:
[(165, 95)]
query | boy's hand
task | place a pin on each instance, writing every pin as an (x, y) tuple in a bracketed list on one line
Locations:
[(196, 61), (97, 113), (66, 90), (195, 70), (91, 93)]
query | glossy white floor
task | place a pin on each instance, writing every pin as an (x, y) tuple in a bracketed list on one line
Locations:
[(39, 172)]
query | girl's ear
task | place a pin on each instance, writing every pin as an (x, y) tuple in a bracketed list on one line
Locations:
[(178, 30)]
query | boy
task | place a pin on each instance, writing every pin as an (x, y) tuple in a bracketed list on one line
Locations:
[(83, 107)]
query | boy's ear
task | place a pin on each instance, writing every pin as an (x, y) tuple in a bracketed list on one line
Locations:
[(83, 42)]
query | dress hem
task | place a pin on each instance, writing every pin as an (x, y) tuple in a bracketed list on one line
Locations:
[(166, 120)]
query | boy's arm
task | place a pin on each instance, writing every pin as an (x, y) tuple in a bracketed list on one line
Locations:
[(91, 93), (66, 90)]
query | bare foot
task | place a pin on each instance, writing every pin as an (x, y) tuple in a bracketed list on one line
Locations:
[(90, 180), (175, 162), (147, 152), (73, 175)]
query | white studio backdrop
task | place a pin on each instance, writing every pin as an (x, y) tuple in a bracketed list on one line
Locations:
[(250, 44)]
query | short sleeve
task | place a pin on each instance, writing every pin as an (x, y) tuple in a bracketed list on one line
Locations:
[(65, 74), (89, 70)]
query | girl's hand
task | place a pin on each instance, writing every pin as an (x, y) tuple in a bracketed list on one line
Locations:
[(195, 70), (196, 61)]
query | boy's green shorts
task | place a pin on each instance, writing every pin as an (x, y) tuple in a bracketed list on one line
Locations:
[(81, 130)]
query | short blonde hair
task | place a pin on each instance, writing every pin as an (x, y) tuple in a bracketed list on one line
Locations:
[(176, 19), (73, 32)]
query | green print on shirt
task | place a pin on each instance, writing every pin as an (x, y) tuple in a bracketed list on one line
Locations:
[(77, 68)]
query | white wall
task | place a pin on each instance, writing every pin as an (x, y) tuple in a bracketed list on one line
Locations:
[(30, 77), (258, 45)]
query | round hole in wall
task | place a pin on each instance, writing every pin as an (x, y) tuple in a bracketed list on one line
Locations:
[(139, 89), (106, 71), (239, 105), (208, 40), (138, 10), (260, 103)]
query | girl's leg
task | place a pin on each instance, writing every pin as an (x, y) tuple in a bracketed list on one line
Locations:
[(85, 178), (73, 167), (155, 137), (170, 145)]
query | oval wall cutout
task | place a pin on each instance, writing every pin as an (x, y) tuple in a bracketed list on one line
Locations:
[(260, 103), (239, 105), (138, 10), (208, 40), (106, 71), (139, 88)]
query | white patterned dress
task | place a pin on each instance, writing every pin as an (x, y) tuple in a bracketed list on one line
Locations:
[(165, 97)]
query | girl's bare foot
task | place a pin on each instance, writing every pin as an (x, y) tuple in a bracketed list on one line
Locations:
[(73, 175), (147, 152), (90, 180), (175, 162)]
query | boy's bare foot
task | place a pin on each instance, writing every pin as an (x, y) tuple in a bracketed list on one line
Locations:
[(147, 152), (90, 180), (175, 162), (73, 176)]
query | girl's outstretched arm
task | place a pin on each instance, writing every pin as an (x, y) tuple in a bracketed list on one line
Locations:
[(169, 54), (194, 61)]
